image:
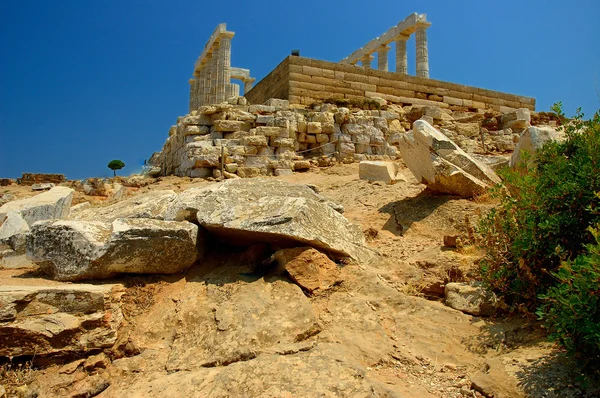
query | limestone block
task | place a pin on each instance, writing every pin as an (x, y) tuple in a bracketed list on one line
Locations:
[(203, 120), (302, 126), (533, 139), (254, 140), (261, 109), (322, 138), (278, 104), (314, 128), (310, 139), (270, 131), (265, 119), (251, 172), (76, 250), (283, 172), (231, 125), (45, 186), (236, 135), (231, 168), (516, 120), (346, 147), (52, 204), (196, 130), (377, 171)]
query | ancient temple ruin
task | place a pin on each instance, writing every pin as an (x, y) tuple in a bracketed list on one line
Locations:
[(211, 83), (414, 23)]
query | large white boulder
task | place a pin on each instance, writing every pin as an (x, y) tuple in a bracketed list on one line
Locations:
[(533, 139), (443, 166), (52, 204), (76, 250), (150, 205), (40, 320), (271, 211)]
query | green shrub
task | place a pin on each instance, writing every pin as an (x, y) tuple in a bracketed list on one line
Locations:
[(571, 308), (545, 212)]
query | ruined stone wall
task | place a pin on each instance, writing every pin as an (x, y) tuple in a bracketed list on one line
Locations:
[(276, 139), (274, 85), (304, 81)]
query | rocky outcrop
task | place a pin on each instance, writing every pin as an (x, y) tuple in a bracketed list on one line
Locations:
[(440, 164), (76, 250), (151, 205), (533, 139), (472, 299), (41, 320), (52, 204), (274, 212), (308, 268)]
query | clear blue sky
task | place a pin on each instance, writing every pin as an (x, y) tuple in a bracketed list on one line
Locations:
[(83, 82)]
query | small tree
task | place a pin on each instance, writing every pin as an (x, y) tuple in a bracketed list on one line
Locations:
[(115, 165)]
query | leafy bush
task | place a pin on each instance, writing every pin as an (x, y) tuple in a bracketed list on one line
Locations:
[(571, 308), (545, 212)]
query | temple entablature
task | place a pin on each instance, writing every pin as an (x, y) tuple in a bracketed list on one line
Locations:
[(211, 83), (414, 23)]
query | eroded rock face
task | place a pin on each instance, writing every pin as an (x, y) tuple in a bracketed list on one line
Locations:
[(40, 320), (440, 164), (150, 205), (238, 321), (533, 139), (50, 205), (76, 250), (274, 212)]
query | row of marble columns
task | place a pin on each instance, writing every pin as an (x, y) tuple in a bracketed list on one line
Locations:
[(401, 58), (212, 78)]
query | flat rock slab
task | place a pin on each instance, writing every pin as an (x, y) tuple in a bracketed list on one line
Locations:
[(77, 250), (52, 204), (40, 320), (270, 211), (150, 205)]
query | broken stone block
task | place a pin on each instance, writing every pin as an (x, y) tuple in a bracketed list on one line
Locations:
[(77, 250), (308, 268), (377, 171), (533, 139)]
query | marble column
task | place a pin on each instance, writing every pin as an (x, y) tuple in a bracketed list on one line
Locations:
[(366, 61), (382, 57), (192, 83), (401, 58), (214, 74), (422, 52), (208, 79), (224, 77), (201, 84)]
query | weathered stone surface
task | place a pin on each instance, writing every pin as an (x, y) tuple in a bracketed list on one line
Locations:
[(39, 320), (326, 370), (472, 299), (76, 250), (150, 205), (533, 139), (12, 225), (53, 204), (517, 120), (270, 211), (377, 171), (42, 187), (438, 162), (309, 268)]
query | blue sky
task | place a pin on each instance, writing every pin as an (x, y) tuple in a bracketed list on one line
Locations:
[(85, 82)]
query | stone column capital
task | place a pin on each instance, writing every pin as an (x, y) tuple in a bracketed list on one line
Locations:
[(383, 47)]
